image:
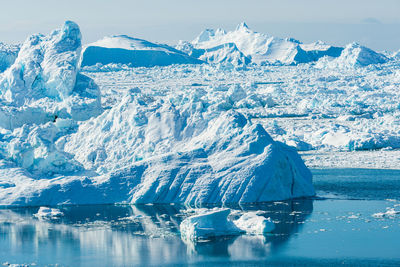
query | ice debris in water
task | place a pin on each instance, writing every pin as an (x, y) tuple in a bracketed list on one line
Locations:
[(208, 224), (48, 213), (252, 223), (390, 212)]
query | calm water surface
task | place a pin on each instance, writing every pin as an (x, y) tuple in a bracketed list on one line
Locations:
[(335, 228)]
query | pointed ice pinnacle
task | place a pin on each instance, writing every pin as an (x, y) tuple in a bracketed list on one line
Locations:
[(242, 25)]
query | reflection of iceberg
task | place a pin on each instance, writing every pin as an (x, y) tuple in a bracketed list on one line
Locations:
[(105, 235)]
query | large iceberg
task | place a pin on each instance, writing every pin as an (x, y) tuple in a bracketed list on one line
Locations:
[(148, 146), (44, 84), (257, 47), (133, 51)]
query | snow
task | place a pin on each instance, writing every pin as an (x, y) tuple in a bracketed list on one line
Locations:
[(209, 224), (252, 223), (48, 213), (133, 51)]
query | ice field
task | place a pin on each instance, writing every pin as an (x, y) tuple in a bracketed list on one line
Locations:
[(77, 128), (236, 148)]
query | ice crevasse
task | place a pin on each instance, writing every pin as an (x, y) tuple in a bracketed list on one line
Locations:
[(150, 147)]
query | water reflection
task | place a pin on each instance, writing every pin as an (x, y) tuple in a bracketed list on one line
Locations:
[(134, 235)]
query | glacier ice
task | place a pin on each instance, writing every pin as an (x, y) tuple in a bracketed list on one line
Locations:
[(43, 83), (193, 134), (250, 46), (160, 146), (226, 53), (8, 54), (136, 52)]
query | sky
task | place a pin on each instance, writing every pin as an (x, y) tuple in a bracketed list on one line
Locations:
[(373, 23)]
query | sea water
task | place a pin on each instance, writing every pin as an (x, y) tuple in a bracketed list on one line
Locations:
[(347, 223)]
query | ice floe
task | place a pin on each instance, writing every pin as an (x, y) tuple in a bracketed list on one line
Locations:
[(251, 222), (207, 224), (48, 213)]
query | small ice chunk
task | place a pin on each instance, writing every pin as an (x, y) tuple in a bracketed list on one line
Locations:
[(48, 213), (252, 223), (389, 212), (208, 224)]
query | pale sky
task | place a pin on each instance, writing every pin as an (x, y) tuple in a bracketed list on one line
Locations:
[(373, 23)]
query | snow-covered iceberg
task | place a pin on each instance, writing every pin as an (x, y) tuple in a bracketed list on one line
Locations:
[(133, 51), (45, 213), (225, 53), (257, 47), (354, 55), (42, 98), (149, 146), (8, 54), (44, 84)]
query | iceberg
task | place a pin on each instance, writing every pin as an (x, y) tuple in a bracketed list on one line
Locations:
[(217, 222), (133, 51), (193, 145), (226, 53), (48, 213), (354, 55), (256, 47), (8, 54), (210, 224), (44, 83), (252, 223)]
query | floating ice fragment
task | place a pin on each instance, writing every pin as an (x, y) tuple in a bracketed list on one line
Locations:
[(207, 225), (252, 223), (48, 213)]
